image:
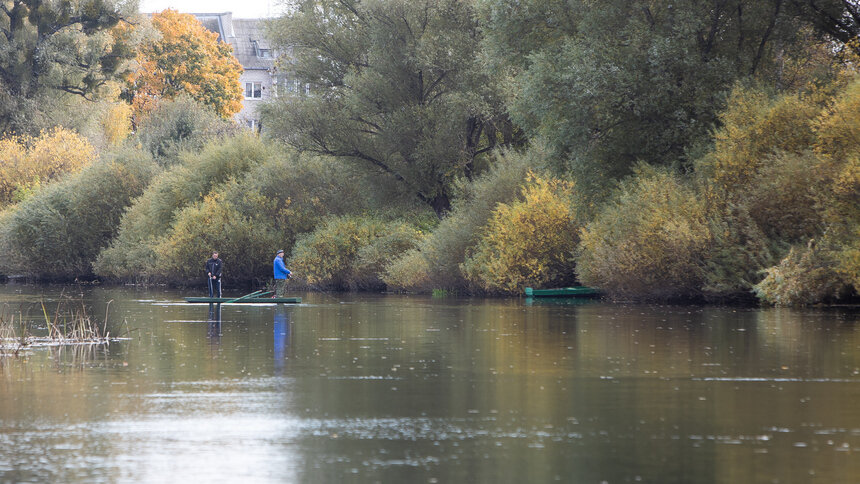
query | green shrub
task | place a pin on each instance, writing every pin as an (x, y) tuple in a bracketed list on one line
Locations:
[(181, 125), (409, 272), (783, 198), (529, 242), (58, 232), (350, 252), (828, 266), (806, 275), (244, 241), (445, 248), (738, 253), (771, 182), (132, 254), (754, 126), (246, 219), (648, 241)]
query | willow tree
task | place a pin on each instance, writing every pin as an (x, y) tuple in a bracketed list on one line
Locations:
[(395, 86), (612, 83), (50, 48)]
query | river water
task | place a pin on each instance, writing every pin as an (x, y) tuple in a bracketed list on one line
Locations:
[(384, 388)]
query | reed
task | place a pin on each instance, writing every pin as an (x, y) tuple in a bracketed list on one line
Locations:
[(70, 324)]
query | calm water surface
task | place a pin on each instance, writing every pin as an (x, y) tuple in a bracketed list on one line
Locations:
[(358, 388)]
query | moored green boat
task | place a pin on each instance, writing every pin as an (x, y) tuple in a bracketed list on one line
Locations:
[(578, 291), (247, 300)]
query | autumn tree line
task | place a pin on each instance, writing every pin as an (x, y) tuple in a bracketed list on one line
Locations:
[(662, 150)]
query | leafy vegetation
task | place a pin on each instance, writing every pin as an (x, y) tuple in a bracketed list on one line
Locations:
[(58, 232), (54, 48), (648, 240), (185, 58), (404, 94), (666, 150), (350, 252), (31, 162), (529, 242)]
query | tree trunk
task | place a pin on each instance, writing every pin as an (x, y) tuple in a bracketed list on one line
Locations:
[(441, 204)]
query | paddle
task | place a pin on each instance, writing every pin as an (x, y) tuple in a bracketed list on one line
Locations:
[(255, 293)]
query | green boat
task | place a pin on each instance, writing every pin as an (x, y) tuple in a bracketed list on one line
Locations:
[(248, 300), (579, 291)]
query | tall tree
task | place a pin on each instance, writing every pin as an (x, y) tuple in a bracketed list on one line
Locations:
[(185, 58), (57, 46), (397, 88), (839, 19), (611, 84)]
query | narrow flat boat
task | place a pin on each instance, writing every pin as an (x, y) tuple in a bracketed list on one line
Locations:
[(255, 297), (578, 291), (249, 300)]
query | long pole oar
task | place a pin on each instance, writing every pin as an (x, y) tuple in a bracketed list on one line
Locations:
[(255, 293)]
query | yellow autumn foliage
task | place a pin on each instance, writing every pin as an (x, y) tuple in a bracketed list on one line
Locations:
[(30, 162), (649, 241), (189, 59), (117, 123), (753, 128), (825, 267), (528, 242)]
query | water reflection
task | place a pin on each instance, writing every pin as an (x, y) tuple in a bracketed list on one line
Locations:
[(281, 327), (410, 389), (214, 333)]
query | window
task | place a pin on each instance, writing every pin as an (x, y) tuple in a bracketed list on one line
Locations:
[(294, 86), (265, 53), (253, 90)]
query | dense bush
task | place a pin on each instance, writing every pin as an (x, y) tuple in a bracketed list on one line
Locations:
[(436, 263), (244, 241), (528, 242), (754, 127), (806, 275), (350, 252), (181, 125), (249, 217), (148, 220), (28, 163), (58, 232), (648, 241), (829, 265)]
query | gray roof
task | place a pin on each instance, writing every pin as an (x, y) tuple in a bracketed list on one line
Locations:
[(249, 45), (245, 35)]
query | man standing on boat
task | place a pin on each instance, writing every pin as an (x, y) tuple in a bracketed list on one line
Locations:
[(281, 274), (213, 274)]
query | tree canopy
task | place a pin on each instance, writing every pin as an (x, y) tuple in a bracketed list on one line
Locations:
[(397, 88), (629, 81), (185, 58), (51, 47)]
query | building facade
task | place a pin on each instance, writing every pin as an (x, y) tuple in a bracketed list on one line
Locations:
[(259, 78)]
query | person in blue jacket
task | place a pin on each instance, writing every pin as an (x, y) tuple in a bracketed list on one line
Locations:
[(281, 274)]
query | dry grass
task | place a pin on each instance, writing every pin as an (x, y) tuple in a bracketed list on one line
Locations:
[(70, 324)]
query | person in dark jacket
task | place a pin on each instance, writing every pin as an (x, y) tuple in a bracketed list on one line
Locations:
[(281, 274), (213, 274)]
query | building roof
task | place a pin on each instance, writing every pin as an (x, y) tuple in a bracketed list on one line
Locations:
[(251, 49)]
